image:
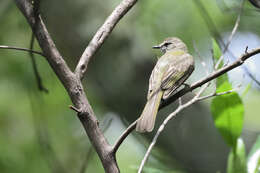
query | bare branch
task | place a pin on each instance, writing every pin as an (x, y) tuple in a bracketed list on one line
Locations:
[(21, 49), (73, 86), (217, 94), (101, 35), (180, 101)]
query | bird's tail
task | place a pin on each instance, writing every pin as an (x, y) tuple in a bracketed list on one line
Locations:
[(146, 121)]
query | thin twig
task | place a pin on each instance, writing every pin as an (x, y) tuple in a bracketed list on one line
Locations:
[(35, 69), (123, 136), (101, 35), (217, 94), (21, 49), (36, 14), (74, 108), (180, 101)]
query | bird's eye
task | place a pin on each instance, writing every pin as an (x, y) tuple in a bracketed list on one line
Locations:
[(167, 43)]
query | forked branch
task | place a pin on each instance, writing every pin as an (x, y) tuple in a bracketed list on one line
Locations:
[(72, 81)]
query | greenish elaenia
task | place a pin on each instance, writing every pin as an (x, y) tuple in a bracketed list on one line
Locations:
[(169, 73)]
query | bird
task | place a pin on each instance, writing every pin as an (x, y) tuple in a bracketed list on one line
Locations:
[(170, 72)]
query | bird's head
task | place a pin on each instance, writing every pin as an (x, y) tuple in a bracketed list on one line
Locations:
[(171, 43)]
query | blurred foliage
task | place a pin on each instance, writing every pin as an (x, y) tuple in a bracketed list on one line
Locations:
[(38, 133)]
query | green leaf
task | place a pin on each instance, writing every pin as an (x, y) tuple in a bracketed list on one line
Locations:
[(237, 158), (228, 114), (253, 162)]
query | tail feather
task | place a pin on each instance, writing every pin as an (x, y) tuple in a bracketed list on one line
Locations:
[(146, 121)]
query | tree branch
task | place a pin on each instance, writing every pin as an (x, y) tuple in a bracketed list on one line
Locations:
[(72, 81), (73, 86), (217, 94), (101, 35)]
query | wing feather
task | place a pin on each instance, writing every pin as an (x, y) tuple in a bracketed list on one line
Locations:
[(177, 73), (171, 76)]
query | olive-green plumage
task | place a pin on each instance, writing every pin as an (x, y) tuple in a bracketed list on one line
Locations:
[(169, 73)]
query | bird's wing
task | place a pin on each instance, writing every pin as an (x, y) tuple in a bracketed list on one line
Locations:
[(155, 79), (177, 73), (172, 75)]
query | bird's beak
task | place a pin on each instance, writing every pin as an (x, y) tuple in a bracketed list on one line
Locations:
[(157, 47)]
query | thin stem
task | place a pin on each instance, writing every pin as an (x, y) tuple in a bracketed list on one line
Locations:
[(35, 69), (123, 136), (21, 49), (217, 94)]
